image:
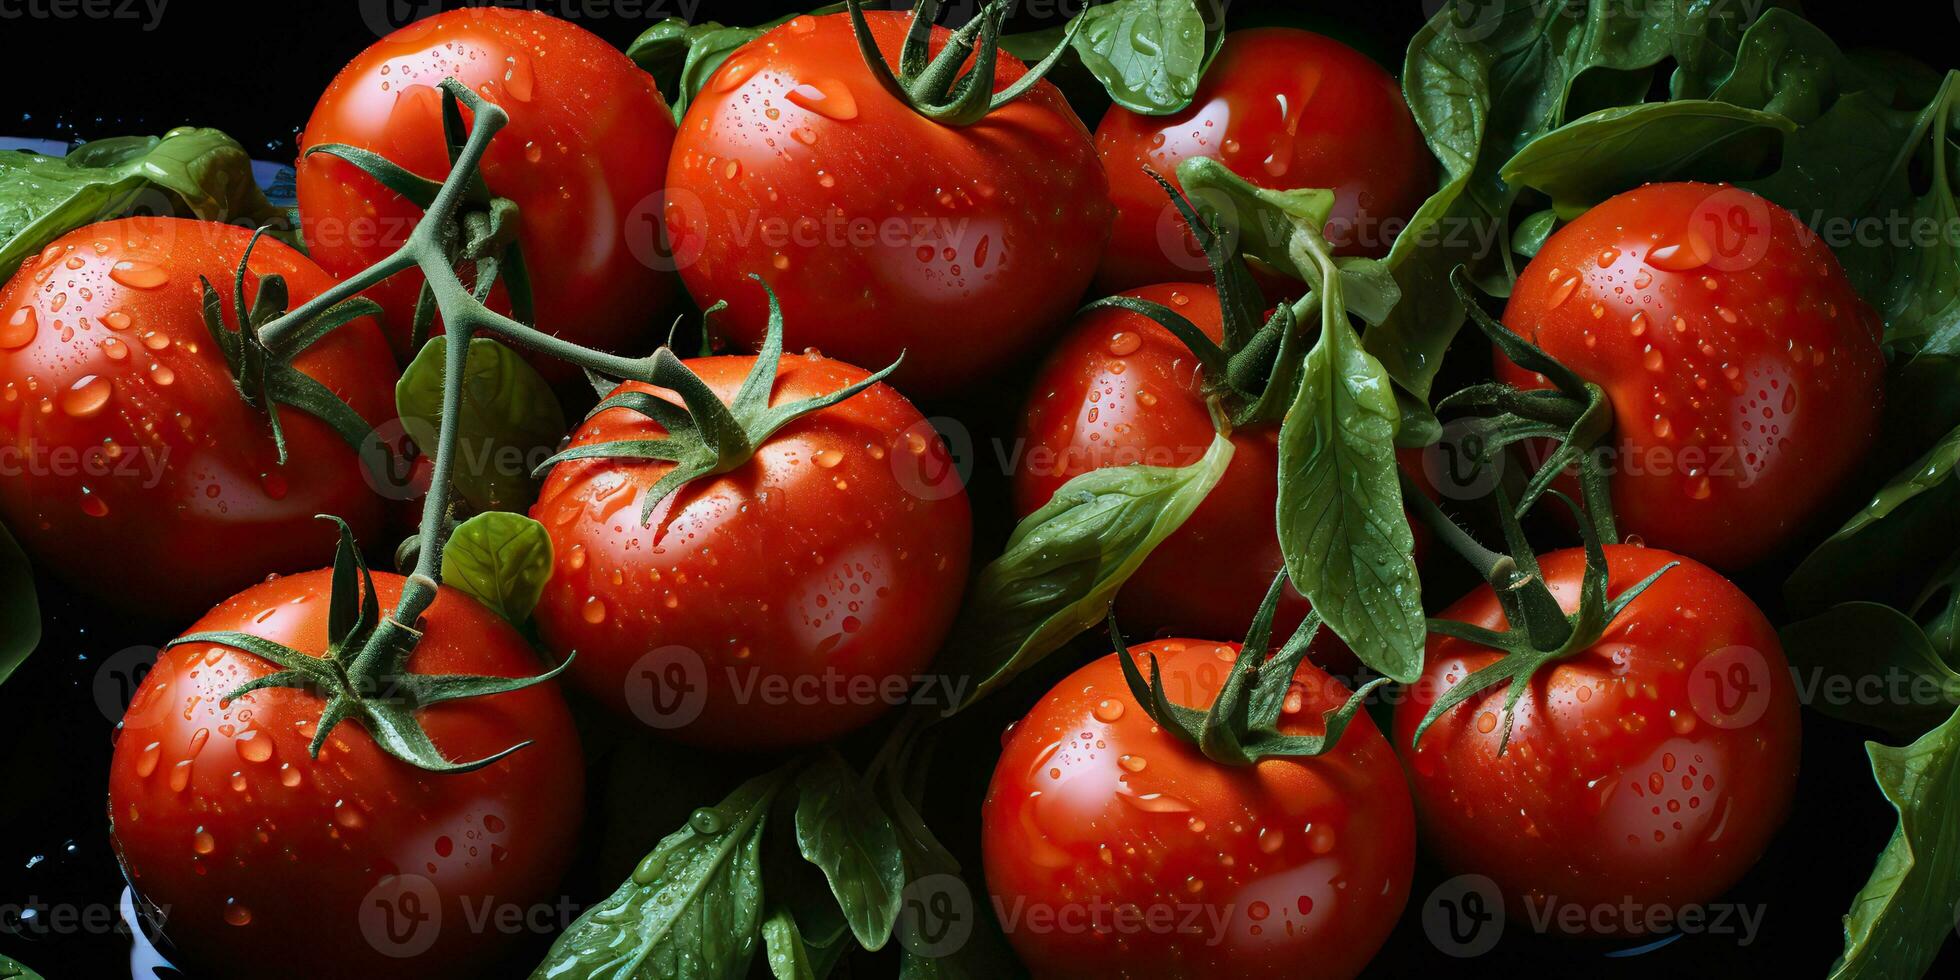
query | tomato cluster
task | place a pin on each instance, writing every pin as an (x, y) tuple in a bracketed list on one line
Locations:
[(727, 541)]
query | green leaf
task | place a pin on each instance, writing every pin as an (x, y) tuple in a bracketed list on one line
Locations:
[(841, 828), (188, 172), (1904, 914), (1065, 562), (789, 958), (1149, 54), (511, 420), (693, 907), (502, 559), (1347, 542), (20, 607), (13, 969), (1906, 524), (1592, 158), (1872, 665), (1785, 65)]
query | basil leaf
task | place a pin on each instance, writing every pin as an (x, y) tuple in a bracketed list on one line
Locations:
[(190, 172), (841, 829), (1785, 65), (1904, 914), (693, 907), (1347, 542), (1149, 54), (510, 422), (1592, 158), (1533, 231), (1064, 562), (12, 969), (1839, 652), (20, 606), (501, 559), (789, 957), (1902, 527)]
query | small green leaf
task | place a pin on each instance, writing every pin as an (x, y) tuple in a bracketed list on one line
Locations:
[(20, 607), (789, 958), (841, 829), (1347, 542), (693, 907), (189, 172), (13, 969), (1904, 525), (1149, 54), (1904, 914), (1065, 562), (510, 420), (502, 559), (1836, 653)]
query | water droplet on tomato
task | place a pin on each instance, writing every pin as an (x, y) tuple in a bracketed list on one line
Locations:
[(19, 328), (86, 396), (826, 97), (139, 275)]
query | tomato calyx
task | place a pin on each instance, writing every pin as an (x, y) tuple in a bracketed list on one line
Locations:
[(933, 86), (1253, 371), (364, 674), (1574, 413), (704, 435), (267, 382), (1540, 632), (1242, 725)]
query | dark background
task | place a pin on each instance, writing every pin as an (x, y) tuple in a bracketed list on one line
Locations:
[(255, 74)]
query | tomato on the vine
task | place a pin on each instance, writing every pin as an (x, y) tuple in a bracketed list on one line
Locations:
[(1744, 372), (1120, 389), (1283, 108), (583, 158), (353, 863), (1651, 768), (1099, 824), (883, 231), (785, 601), (136, 448)]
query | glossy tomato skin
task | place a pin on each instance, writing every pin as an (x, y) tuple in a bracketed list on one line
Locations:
[(1121, 390), (790, 592), (1744, 372), (1282, 108), (583, 157), (130, 434), (262, 855), (1653, 768), (1286, 866), (881, 231)]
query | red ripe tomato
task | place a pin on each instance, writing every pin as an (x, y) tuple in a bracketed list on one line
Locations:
[(1098, 823), (355, 863), (1651, 768), (881, 230), (782, 603), (131, 441), (1744, 373), (1284, 109), (583, 157), (1120, 390)]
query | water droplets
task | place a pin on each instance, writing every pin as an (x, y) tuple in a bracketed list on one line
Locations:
[(139, 275), (826, 97), (19, 328)]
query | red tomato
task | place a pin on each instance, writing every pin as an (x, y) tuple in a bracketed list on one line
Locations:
[(1284, 109), (1098, 821), (583, 157), (136, 460), (775, 604), (355, 863), (880, 230), (1650, 769), (1745, 374), (1121, 390)]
